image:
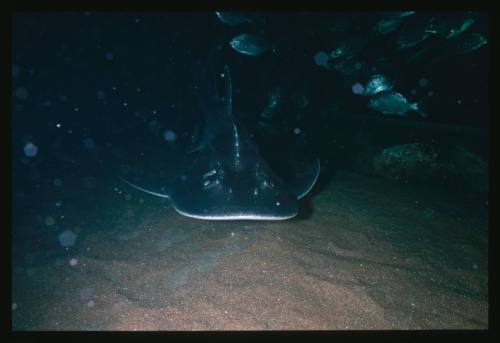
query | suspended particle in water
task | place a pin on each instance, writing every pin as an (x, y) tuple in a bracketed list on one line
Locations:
[(358, 88), (30, 149), (67, 238), (21, 93), (57, 182), (109, 56), (85, 293), (321, 58), (14, 306), (49, 221), (169, 135), (423, 82), (101, 95), (88, 143), (73, 262), (296, 131)]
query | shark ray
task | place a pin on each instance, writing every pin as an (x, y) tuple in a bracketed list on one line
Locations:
[(228, 179)]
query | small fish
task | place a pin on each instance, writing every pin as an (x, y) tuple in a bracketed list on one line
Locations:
[(385, 26), (376, 84), (470, 42), (273, 102), (391, 102), (248, 44), (349, 48), (464, 44), (450, 27), (414, 33), (420, 55), (232, 18), (390, 22), (398, 15)]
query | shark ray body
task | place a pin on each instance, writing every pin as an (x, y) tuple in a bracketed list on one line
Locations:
[(228, 179)]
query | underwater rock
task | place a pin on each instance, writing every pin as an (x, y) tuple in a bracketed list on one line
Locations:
[(471, 168), (415, 161)]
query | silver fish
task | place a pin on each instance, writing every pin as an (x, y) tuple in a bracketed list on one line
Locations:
[(421, 54), (450, 27), (464, 44), (398, 15), (390, 22), (470, 42), (384, 26), (232, 18), (391, 102), (413, 33), (349, 48), (376, 84), (248, 44)]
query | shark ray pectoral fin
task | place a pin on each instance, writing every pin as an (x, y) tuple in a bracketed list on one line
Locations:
[(163, 195), (304, 184)]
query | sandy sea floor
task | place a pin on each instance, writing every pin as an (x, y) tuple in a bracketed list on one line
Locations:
[(369, 254)]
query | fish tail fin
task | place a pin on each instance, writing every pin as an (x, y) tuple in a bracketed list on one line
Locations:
[(417, 107), (422, 113)]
